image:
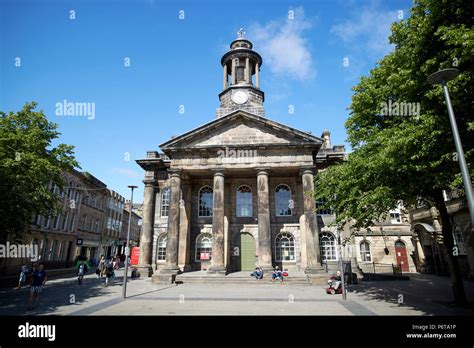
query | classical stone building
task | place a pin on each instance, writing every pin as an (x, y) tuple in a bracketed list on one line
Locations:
[(235, 192)]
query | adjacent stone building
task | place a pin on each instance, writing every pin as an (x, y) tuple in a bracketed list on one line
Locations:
[(135, 226), (430, 250), (112, 240)]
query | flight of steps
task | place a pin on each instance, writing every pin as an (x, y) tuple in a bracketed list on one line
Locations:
[(239, 278)]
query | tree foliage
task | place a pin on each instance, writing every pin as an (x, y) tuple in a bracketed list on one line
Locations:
[(28, 164), (408, 157)]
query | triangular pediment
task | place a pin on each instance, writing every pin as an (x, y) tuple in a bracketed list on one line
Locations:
[(241, 128)]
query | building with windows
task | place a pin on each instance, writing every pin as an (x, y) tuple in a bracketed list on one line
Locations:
[(235, 192), (428, 238), (112, 239), (135, 226), (76, 229)]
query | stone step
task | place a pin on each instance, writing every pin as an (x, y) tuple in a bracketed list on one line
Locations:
[(237, 280)]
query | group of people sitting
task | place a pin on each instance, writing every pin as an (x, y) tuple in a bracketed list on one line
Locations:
[(277, 274)]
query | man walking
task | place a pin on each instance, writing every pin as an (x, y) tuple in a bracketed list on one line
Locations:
[(38, 280)]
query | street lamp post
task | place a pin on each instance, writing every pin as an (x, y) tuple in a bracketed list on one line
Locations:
[(442, 77), (127, 248), (341, 264)]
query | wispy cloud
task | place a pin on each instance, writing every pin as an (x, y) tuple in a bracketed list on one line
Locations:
[(126, 172), (367, 29), (283, 45)]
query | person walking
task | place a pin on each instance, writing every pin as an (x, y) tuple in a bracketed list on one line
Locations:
[(38, 280), (81, 270), (110, 274), (101, 266), (23, 273)]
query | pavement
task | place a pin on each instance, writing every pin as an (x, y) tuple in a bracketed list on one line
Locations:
[(421, 295)]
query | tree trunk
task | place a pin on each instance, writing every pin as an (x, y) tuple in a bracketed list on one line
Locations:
[(455, 270)]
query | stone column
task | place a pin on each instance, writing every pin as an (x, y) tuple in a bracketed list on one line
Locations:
[(217, 262), (311, 235), (225, 81), (264, 231), (233, 72), (146, 237), (247, 70), (257, 76), (171, 265), (184, 227)]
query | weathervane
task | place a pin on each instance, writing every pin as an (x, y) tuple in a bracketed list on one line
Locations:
[(241, 33)]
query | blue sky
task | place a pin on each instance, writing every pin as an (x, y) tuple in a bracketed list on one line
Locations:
[(313, 53)]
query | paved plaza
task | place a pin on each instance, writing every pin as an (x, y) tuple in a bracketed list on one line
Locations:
[(421, 295)]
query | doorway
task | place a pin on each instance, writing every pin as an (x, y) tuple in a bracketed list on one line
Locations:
[(402, 257), (245, 260)]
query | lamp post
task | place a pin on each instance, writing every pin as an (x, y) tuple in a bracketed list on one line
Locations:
[(442, 77), (341, 264), (127, 248)]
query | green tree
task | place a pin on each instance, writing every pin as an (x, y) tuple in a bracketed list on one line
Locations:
[(28, 164), (409, 158)]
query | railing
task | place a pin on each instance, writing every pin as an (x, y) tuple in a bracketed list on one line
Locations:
[(381, 268)]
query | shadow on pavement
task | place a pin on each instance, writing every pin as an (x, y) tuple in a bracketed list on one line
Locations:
[(54, 296), (431, 295)]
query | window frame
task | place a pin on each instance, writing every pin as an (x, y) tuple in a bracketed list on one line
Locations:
[(199, 241), (366, 251), (279, 249), (165, 197), (246, 205), (278, 204), (333, 248), (161, 250), (199, 201)]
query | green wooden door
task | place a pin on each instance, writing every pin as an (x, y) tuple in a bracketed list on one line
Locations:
[(247, 252)]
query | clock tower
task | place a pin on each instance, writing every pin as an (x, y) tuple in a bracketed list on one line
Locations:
[(241, 79)]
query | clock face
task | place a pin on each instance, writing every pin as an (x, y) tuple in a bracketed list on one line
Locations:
[(240, 97)]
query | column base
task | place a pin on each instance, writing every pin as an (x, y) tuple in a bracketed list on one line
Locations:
[(220, 270), (160, 278), (169, 269), (143, 271)]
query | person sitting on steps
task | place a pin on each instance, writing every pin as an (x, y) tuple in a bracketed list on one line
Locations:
[(277, 274), (258, 273)]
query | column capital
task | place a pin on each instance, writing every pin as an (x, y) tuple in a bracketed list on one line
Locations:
[(175, 173), (307, 170), (263, 170), (218, 171), (149, 182)]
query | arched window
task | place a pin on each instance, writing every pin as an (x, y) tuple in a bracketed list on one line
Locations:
[(285, 247), (327, 244), (204, 247), (77, 194), (161, 255), (70, 190), (205, 201), (244, 201), (365, 251), (165, 201), (283, 201)]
